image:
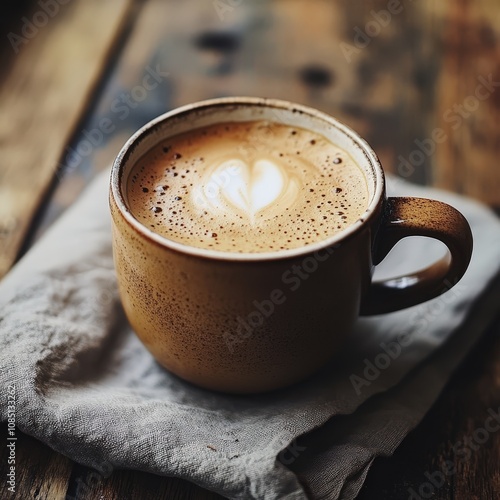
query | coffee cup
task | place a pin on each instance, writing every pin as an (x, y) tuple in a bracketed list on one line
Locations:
[(245, 254)]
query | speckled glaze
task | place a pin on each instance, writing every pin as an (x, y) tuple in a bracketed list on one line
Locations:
[(247, 323)]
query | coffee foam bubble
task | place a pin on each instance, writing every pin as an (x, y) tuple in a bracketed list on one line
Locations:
[(247, 187)]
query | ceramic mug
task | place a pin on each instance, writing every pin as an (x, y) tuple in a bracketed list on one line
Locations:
[(251, 322)]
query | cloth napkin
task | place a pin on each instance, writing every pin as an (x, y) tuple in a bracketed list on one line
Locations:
[(87, 387)]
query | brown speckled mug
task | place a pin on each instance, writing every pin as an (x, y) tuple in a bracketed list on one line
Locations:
[(236, 322)]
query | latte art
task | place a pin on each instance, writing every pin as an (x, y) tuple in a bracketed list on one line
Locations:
[(247, 187)]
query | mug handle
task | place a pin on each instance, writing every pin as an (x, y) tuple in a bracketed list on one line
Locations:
[(419, 217)]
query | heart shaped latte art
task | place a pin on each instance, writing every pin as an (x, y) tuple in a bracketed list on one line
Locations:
[(237, 187)]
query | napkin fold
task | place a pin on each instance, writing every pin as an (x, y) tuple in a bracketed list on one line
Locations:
[(87, 387)]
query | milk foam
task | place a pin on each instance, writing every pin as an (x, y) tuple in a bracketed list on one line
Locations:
[(247, 187)]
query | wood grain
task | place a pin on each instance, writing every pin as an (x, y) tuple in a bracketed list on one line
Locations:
[(117, 106), (42, 99), (467, 108)]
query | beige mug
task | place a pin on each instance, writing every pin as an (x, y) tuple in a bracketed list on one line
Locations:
[(252, 322)]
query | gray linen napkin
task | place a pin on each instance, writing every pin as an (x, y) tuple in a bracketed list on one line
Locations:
[(87, 387)]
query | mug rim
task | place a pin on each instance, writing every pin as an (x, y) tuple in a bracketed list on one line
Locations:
[(120, 162)]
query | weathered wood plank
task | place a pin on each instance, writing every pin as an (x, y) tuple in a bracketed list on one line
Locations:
[(124, 104), (124, 484), (468, 100), (42, 100)]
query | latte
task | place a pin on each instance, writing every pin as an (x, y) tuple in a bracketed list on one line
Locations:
[(254, 186)]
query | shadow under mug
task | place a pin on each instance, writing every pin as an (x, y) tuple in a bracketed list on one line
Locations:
[(253, 322)]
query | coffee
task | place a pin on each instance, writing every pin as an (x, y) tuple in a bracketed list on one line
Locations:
[(250, 322), (255, 186)]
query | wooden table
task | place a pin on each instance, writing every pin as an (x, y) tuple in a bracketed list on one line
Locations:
[(398, 72)]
